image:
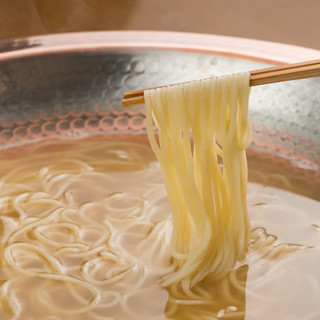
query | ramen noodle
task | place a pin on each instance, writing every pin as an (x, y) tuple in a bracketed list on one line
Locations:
[(207, 196)]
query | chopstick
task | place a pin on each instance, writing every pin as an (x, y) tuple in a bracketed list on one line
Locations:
[(294, 71)]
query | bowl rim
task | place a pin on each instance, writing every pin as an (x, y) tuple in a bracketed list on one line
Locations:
[(181, 41)]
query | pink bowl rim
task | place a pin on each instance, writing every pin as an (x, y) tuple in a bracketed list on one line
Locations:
[(213, 44)]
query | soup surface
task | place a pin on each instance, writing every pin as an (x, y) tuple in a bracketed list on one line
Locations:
[(85, 232)]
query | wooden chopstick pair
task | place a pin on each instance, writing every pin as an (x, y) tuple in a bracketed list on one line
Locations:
[(294, 71)]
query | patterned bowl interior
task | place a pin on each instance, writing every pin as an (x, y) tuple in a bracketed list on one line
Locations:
[(78, 93)]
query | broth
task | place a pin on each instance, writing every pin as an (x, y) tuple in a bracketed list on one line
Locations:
[(86, 229)]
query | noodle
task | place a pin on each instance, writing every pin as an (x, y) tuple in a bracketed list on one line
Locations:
[(210, 221)]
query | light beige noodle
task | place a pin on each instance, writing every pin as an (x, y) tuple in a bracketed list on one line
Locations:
[(210, 221)]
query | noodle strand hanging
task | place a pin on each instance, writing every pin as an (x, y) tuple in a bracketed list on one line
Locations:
[(208, 197)]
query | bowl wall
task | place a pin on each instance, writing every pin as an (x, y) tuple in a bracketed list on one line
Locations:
[(57, 93)]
